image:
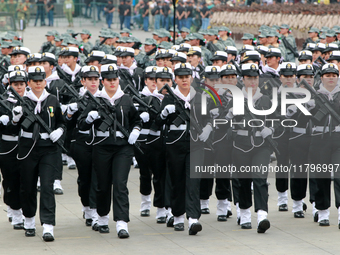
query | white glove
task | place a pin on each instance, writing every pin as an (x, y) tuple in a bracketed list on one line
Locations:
[(56, 134), (205, 134), (63, 108), (145, 116), (92, 116), (133, 136), (17, 113), (170, 108), (72, 108), (4, 119), (214, 113), (310, 104), (230, 115), (291, 110), (266, 132)]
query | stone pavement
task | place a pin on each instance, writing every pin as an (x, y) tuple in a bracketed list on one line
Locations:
[(286, 235)]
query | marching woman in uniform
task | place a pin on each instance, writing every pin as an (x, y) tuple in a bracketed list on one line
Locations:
[(251, 149), (38, 153), (325, 145), (299, 143), (221, 156), (112, 151), (153, 161), (184, 149), (81, 151), (8, 153)]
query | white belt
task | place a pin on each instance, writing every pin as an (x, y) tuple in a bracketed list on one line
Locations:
[(299, 130), (320, 129), (87, 132), (150, 132), (30, 135), (107, 133), (180, 127), (145, 131), (155, 133), (9, 138), (246, 133)]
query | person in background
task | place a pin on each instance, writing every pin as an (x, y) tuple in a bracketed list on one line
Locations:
[(88, 7), (40, 13), (145, 15), (50, 9), (205, 13), (121, 13), (181, 15), (165, 11), (127, 14), (189, 14), (69, 11), (157, 13), (109, 9)]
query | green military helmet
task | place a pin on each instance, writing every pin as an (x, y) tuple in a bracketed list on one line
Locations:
[(8, 37), (5, 44), (85, 32), (276, 27), (150, 41), (330, 33), (247, 36), (185, 30), (115, 34), (57, 38), (15, 43), (50, 33), (313, 30), (165, 45), (285, 26), (73, 41), (324, 29)]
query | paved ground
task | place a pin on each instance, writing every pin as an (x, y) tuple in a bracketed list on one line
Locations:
[(286, 235)]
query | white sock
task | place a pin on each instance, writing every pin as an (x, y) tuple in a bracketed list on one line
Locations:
[(135, 163), (121, 225), (297, 206), (48, 229), (245, 215), (238, 212), (70, 162), (17, 217), (168, 214), (103, 220), (282, 198), (222, 207), (161, 212), (88, 212), (204, 203), (179, 219), (94, 217), (38, 182), (57, 184), (314, 209), (228, 205), (29, 223), (9, 212), (191, 221), (323, 215), (146, 203), (261, 215), (63, 157)]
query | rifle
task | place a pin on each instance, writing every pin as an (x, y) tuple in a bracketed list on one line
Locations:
[(184, 115), (106, 113), (289, 46), (131, 90), (325, 106), (4, 105), (252, 117), (62, 75), (321, 60), (70, 90), (28, 111), (236, 66), (212, 47), (100, 44), (142, 103)]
